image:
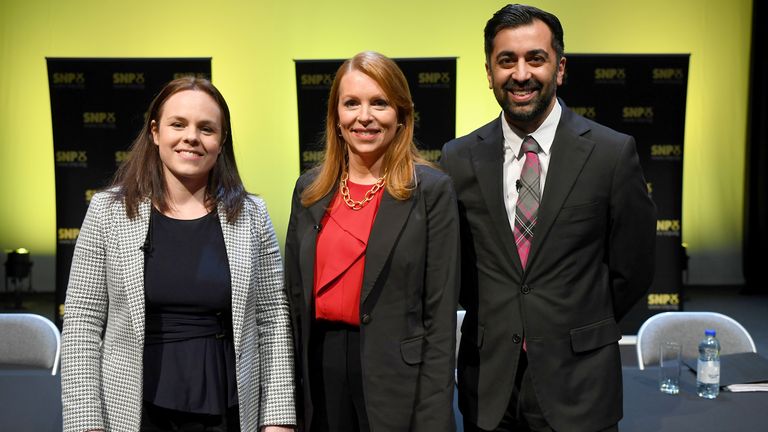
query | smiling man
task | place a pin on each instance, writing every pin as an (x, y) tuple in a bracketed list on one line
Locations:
[(558, 238)]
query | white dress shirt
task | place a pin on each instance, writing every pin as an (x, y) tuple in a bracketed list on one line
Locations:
[(514, 160)]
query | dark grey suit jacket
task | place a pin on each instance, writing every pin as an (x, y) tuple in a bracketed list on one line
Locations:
[(407, 305), (591, 259)]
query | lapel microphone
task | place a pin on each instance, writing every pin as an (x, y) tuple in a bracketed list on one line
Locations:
[(518, 185), (317, 227)]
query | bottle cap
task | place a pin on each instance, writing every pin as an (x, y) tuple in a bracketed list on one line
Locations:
[(709, 332)]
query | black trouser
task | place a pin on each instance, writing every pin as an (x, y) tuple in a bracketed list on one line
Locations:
[(157, 419), (336, 379), (523, 412)]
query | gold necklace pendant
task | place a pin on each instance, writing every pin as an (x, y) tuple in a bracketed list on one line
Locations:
[(357, 205)]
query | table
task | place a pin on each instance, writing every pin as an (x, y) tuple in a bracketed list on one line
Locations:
[(30, 400), (648, 409)]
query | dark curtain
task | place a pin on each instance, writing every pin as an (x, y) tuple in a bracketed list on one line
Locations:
[(756, 188)]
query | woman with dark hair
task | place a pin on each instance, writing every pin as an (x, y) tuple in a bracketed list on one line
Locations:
[(175, 316), (371, 265)]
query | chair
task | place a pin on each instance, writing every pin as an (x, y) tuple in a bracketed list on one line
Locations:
[(29, 341), (687, 329)]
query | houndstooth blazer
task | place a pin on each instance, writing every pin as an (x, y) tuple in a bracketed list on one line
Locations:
[(103, 335)]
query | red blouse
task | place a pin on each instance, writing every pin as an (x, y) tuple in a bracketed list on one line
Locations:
[(340, 256)]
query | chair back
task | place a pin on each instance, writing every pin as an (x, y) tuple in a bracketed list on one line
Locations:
[(687, 329), (29, 341)]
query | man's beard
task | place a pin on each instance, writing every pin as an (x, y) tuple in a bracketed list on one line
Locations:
[(538, 105)]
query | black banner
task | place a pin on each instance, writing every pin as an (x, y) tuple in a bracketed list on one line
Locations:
[(432, 82), (643, 96), (97, 108)]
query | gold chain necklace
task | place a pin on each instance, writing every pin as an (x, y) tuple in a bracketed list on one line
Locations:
[(357, 205)]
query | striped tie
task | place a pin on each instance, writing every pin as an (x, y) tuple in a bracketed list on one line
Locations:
[(528, 199)]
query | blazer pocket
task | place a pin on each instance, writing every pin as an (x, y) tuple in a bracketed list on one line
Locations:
[(575, 213), (595, 335), (411, 350)]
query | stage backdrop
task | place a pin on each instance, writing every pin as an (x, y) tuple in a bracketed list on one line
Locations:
[(97, 108), (644, 96), (432, 82)]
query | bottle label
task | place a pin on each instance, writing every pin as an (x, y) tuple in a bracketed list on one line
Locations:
[(708, 372)]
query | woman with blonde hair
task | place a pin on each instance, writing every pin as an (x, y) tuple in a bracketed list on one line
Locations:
[(176, 318), (372, 256)]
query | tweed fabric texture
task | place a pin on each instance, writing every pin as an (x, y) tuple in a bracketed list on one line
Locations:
[(103, 334)]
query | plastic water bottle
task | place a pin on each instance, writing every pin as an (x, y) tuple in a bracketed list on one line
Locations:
[(708, 367)]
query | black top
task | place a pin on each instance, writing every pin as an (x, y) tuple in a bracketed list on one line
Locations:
[(189, 358)]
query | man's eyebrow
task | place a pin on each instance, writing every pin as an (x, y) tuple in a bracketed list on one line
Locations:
[(533, 52)]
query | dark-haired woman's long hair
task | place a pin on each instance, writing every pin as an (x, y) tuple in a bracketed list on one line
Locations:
[(141, 175)]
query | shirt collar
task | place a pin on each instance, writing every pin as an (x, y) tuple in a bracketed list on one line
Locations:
[(544, 135)]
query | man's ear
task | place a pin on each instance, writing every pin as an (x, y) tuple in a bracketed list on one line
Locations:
[(560, 71)]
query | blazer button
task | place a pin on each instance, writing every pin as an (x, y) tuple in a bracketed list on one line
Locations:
[(516, 338), (365, 319), (525, 289)]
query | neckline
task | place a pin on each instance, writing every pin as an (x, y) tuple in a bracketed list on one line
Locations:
[(172, 219), (362, 185)]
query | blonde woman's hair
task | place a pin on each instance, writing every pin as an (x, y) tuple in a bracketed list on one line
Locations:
[(401, 156)]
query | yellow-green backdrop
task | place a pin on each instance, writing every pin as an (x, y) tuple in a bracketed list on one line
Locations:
[(253, 44)]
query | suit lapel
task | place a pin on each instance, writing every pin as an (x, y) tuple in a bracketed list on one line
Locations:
[(309, 247), (569, 153), (488, 163), (390, 220), (238, 242), (132, 234)]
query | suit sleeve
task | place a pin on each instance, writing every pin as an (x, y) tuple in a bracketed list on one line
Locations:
[(294, 290), (632, 240), (434, 410), (85, 313), (292, 269), (468, 278), (275, 338)]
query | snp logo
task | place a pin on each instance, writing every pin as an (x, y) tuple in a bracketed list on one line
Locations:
[(121, 156), (668, 227), (666, 151), (668, 301), (71, 158), (588, 112), (431, 155), (68, 235), (610, 75), (201, 75), (667, 74), (99, 119), (434, 79), (128, 80), (316, 80), (89, 193), (637, 114), (311, 156), (69, 79)]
